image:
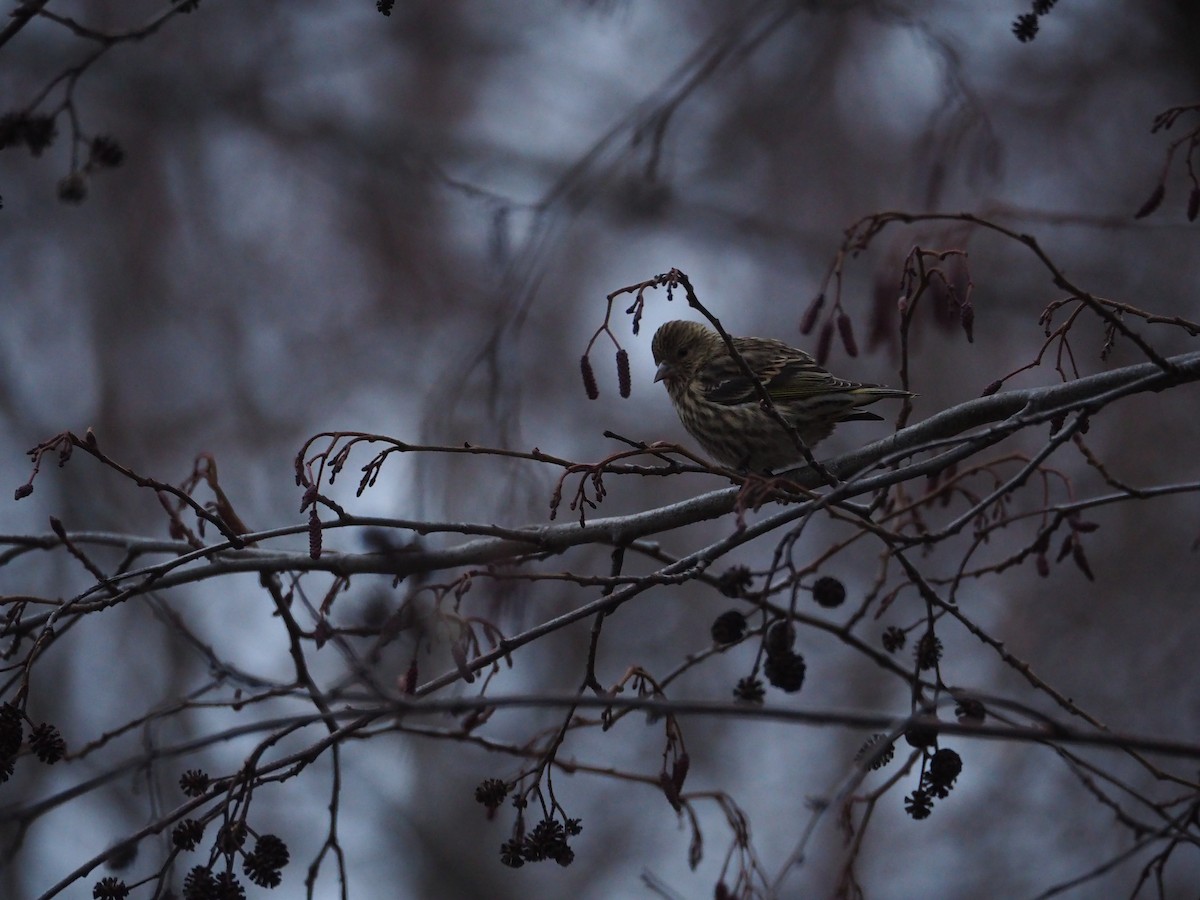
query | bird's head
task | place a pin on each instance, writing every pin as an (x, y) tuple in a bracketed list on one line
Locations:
[(680, 348)]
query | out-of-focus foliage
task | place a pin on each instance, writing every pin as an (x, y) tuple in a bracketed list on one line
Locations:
[(227, 227)]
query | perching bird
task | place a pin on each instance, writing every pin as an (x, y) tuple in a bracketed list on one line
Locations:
[(721, 409)]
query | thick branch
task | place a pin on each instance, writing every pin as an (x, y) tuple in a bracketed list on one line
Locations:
[(959, 432)]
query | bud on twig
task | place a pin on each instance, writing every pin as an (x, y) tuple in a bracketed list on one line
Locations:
[(966, 315), (458, 653), (636, 311), (1081, 560), (679, 771), (1152, 203)]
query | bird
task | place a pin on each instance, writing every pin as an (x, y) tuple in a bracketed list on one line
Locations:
[(720, 407)]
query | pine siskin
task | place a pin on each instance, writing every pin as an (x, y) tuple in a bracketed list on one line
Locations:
[(720, 408)]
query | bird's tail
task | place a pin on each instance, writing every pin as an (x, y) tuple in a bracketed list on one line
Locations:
[(867, 394), (870, 393)]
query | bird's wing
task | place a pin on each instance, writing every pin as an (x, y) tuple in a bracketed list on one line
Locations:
[(786, 373)]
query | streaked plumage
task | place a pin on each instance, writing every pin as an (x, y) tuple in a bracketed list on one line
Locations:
[(720, 408)]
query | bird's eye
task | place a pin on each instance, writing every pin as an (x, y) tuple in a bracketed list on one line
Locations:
[(683, 351)]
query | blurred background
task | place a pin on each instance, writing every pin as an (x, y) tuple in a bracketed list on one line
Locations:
[(330, 219)]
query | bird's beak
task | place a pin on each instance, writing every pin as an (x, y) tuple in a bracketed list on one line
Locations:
[(664, 371)]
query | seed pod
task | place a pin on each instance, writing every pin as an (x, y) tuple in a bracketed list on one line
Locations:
[(823, 343), (829, 592), (623, 379), (589, 378), (785, 671), (314, 534), (728, 628), (779, 638), (809, 321), (846, 332), (920, 735)]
